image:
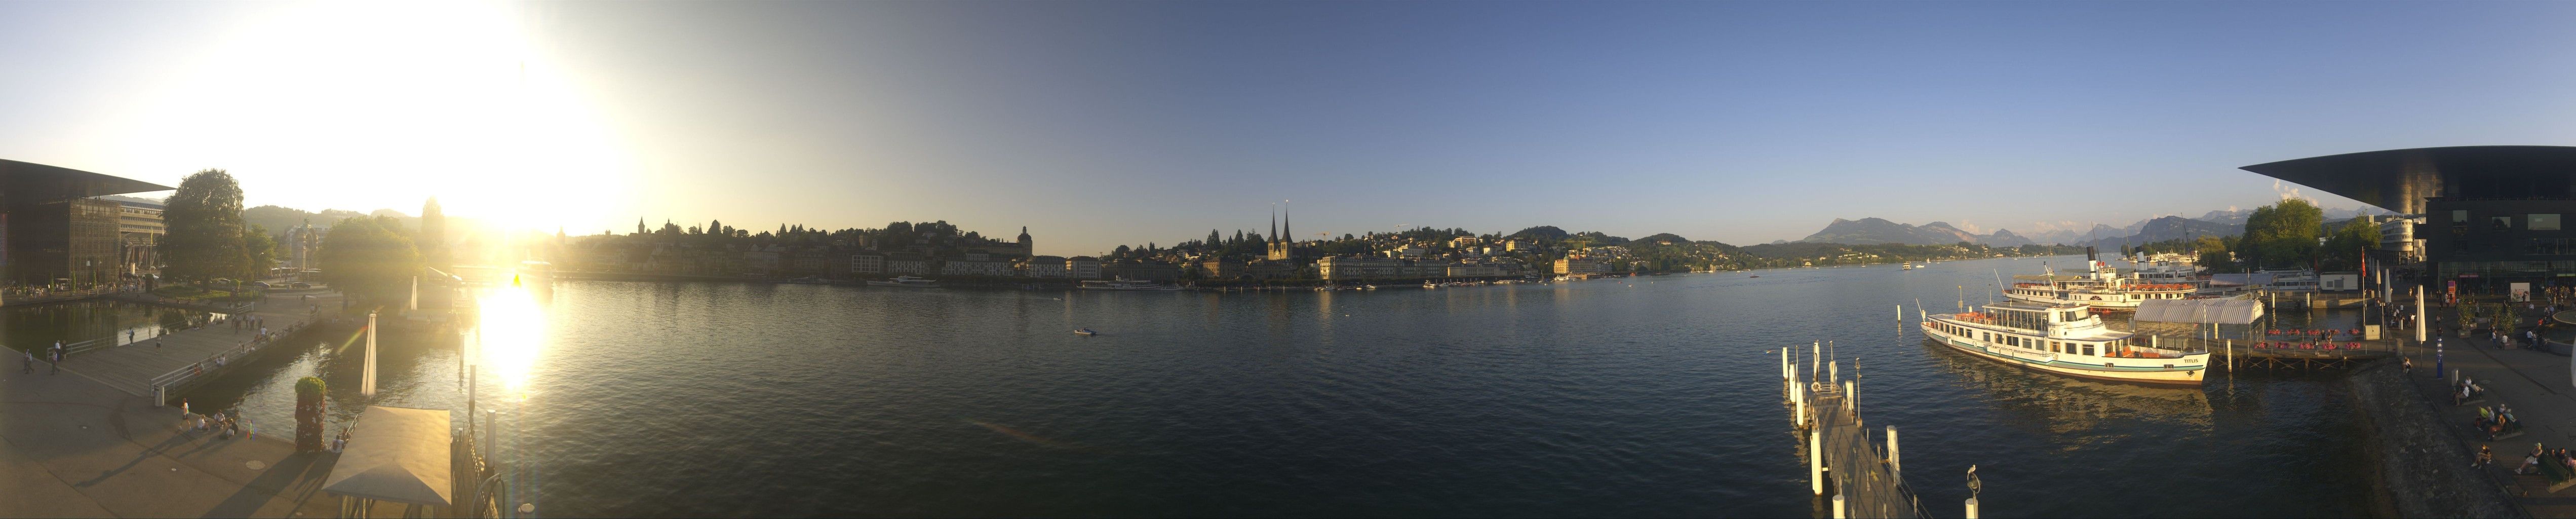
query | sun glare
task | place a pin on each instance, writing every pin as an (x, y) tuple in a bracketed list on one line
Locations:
[(511, 334), (377, 104)]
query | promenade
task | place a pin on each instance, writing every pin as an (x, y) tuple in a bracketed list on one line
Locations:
[(71, 446), (2542, 393), (131, 367)]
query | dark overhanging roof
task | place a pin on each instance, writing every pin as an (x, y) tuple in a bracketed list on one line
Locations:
[(2400, 180), (27, 182)]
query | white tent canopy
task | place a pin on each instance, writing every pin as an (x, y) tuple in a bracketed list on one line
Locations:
[(2204, 311), (395, 454)]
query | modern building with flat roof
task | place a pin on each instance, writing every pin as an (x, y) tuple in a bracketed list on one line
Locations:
[(53, 232), (2481, 215)]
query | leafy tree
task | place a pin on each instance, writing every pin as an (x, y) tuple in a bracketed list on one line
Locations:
[(203, 219), (433, 236), (2284, 234), (261, 247), (2343, 247), (370, 259)]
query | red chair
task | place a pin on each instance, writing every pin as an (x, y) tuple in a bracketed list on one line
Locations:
[(2271, 332), (2352, 345)]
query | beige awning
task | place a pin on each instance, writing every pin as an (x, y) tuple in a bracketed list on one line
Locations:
[(2204, 311), (395, 454)]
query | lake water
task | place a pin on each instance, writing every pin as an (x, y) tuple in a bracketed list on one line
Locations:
[(1649, 396)]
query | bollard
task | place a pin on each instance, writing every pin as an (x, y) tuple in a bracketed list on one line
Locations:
[(1838, 506), (1972, 508), (1798, 418), (1848, 404), (1833, 372), (1894, 462), (1816, 463)]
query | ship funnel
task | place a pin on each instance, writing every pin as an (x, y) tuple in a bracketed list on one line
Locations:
[(2090, 255)]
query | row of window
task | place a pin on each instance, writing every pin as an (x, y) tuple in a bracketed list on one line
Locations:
[(2008, 340), (2531, 222)]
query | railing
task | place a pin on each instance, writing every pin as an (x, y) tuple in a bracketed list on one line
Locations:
[(85, 346), (223, 359)]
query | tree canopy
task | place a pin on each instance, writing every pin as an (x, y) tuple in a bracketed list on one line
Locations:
[(203, 219), (370, 258), (2283, 234)]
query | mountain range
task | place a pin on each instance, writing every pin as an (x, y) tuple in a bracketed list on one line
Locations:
[(1868, 231)]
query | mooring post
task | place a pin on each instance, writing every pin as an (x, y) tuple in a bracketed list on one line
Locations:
[(1798, 418), (1816, 462), (1895, 462), (1850, 405), (2231, 355), (1972, 508), (1838, 506)]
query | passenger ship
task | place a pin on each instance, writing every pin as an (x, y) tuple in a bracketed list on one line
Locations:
[(2101, 286), (2066, 339)]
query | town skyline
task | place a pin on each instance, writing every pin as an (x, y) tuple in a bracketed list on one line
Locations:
[(1133, 123)]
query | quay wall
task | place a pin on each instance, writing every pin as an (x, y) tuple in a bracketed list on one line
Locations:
[(2422, 465)]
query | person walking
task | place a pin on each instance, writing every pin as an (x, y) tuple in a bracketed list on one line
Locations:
[(55, 367), (30, 367)]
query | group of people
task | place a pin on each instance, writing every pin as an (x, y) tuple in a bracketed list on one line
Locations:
[(53, 360), (2468, 389), (2496, 420), (340, 441), (2559, 459), (225, 426)]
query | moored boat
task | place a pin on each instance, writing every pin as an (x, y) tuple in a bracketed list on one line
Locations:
[(1119, 284), (2064, 339), (906, 281)]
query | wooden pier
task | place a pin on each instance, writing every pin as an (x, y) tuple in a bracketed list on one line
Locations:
[(1853, 473)]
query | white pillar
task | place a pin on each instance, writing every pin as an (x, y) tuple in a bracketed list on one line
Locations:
[(1834, 372), (1894, 462), (1816, 462), (1816, 366), (1850, 404), (2419, 317), (1972, 508), (415, 294), (1900, 313), (367, 369), (1838, 506), (1798, 418)]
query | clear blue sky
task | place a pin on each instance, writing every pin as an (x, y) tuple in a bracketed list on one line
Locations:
[(1097, 124)]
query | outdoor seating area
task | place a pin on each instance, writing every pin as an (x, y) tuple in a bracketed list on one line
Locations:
[(2287, 345), (2467, 391), (2496, 423)]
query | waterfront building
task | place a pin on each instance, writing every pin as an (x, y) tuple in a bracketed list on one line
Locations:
[(759, 262), (976, 268), (138, 234), (1267, 269), (870, 262), (1576, 266), (52, 231), (906, 263), (1047, 267), (1220, 268), (1082, 267), (1352, 268), (2479, 215), (1144, 270)]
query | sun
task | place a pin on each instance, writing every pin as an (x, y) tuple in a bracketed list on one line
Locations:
[(367, 105)]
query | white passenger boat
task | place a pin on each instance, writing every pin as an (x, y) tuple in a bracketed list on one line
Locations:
[(2065, 339), (906, 281), (2101, 287)]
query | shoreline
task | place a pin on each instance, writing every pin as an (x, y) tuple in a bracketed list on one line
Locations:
[(2420, 466)]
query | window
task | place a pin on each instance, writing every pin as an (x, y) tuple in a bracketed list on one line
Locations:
[(2500, 223), (2460, 216), (2543, 222), (2053, 347), (2088, 349)]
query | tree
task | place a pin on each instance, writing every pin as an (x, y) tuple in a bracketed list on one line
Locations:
[(369, 258), (433, 236), (2343, 247), (203, 222), (2283, 234), (261, 248)]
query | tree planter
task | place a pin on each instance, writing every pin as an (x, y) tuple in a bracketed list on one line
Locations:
[(308, 414)]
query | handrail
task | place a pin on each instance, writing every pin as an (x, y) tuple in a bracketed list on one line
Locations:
[(85, 346), (221, 359)]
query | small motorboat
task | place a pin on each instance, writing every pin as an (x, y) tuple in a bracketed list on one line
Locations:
[(1753, 277), (1084, 332)]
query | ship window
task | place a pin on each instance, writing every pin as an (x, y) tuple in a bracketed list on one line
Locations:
[(2544, 222), (2500, 223), (2088, 349), (2053, 347)]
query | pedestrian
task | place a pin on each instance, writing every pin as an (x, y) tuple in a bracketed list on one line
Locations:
[(55, 368), (30, 367)]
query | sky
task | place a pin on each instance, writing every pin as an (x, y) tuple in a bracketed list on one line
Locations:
[(1096, 124)]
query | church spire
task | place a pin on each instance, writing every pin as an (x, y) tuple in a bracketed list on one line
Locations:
[(1274, 223), (1284, 231)]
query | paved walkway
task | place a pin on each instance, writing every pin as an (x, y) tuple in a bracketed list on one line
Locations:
[(130, 368), (2541, 391), (74, 447)]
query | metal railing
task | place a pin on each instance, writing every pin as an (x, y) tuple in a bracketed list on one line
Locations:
[(160, 385)]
